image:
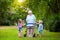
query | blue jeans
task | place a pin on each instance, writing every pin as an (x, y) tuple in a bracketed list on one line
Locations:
[(19, 28)]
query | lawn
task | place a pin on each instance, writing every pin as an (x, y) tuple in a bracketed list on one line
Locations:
[(11, 33)]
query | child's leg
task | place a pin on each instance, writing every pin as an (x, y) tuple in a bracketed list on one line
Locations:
[(19, 33), (40, 33)]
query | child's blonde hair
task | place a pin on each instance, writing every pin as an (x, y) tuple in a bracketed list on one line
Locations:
[(20, 20), (40, 21)]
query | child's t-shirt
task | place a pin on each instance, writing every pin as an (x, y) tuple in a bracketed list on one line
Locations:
[(19, 24), (40, 27)]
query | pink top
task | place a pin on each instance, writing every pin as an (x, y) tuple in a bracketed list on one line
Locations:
[(19, 24)]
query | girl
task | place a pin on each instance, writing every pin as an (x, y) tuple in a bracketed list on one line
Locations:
[(40, 28), (19, 27)]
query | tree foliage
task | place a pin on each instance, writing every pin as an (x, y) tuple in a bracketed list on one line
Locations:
[(46, 10)]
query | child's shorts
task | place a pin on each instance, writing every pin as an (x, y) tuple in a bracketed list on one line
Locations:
[(19, 28), (40, 31)]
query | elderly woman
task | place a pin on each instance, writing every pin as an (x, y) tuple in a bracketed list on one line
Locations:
[(30, 20)]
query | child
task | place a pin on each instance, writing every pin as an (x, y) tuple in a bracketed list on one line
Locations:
[(40, 28), (19, 27)]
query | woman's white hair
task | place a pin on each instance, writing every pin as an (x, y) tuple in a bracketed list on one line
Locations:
[(29, 11)]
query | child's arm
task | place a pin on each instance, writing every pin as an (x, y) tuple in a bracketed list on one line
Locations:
[(22, 24)]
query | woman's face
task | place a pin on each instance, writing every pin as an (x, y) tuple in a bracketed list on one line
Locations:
[(30, 14)]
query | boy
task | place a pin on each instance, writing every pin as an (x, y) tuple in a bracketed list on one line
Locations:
[(40, 28)]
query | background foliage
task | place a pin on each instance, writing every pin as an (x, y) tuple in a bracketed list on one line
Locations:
[(47, 10)]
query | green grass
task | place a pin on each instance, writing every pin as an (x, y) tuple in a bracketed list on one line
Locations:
[(11, 33)]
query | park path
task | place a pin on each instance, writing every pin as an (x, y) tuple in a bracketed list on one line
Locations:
[(4, 27)]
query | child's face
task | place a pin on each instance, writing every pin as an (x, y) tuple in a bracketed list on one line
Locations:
[(20, 20), (40, 21)]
